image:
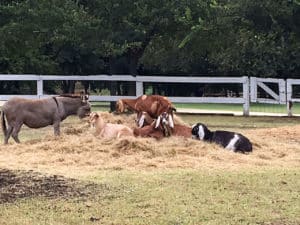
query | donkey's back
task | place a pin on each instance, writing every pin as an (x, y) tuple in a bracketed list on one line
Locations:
[(32, 113)]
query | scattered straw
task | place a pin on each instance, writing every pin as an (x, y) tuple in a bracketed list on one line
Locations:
[(77, 151)]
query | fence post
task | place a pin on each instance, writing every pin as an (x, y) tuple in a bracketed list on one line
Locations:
[(289, 102), (40, 87), (139, 88), (246, 96), (253, 89), (282, 92)]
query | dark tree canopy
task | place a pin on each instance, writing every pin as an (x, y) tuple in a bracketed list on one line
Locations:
[(194, 37)]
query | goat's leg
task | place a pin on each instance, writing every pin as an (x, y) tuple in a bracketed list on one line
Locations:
[(8, 133), (15, 132)]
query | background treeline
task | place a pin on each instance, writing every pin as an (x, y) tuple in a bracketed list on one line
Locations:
[(192, 37)]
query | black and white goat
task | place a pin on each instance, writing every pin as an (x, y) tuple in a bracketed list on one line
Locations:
[(229, 140)]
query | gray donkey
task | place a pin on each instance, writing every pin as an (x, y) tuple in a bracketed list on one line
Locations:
[(41, 113)]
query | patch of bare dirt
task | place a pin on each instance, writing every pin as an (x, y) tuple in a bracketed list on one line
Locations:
[(16, 184)]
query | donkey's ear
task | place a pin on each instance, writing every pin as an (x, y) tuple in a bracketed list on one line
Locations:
[(87, 95), (84, 97)]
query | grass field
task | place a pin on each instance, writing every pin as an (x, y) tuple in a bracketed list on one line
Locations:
[(79, 179), (170, 197), (254, 107)]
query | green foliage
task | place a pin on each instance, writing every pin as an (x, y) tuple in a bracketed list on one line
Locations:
[(219, 37)]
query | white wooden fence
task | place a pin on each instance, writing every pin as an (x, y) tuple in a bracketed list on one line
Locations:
[(284, 95), (275, 98), (140, 80)]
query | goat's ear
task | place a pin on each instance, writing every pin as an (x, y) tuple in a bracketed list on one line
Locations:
[(141, 121), (157, 122), (171, 122), (120, 106)]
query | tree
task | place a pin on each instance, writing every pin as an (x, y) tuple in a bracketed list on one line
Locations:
[(252, 38), (48, 37)]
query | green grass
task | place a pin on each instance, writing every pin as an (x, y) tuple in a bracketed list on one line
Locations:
[(254, 107), (171, 197), (240, 122)]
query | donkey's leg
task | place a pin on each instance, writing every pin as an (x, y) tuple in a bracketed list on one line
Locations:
[(8, 133), (56, 126), (15, 132)]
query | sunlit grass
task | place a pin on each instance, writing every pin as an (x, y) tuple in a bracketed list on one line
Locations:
[(171, 197), (254, 107)]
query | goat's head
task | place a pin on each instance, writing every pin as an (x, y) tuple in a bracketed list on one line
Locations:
[(93, 118), (166, 121), (200, 131), (120, 108), (143, 119)]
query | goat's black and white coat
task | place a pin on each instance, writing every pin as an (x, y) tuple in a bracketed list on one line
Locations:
[(229, 140)]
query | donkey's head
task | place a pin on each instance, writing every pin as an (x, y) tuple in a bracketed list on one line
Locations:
[(85, 107), (77, 104)]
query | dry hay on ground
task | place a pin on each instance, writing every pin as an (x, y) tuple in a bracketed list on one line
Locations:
[(77, 152)]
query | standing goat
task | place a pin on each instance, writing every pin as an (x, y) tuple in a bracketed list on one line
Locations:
[(108, 130), (154, 105), (229, 140)]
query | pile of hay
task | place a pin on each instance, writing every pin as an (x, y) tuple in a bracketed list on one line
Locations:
[(77, 151)]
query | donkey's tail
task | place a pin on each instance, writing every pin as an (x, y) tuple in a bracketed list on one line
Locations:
[(3, 123)]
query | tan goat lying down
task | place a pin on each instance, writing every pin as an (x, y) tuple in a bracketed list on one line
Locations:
[(108, 130)]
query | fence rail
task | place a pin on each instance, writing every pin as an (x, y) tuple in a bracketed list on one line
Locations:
[(140, 80), (249, 87)]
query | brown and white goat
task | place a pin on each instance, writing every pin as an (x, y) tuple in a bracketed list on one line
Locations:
[(143, 119), (147, 126), (108, 130), (154, 105), (151, 130), (169, 128)]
